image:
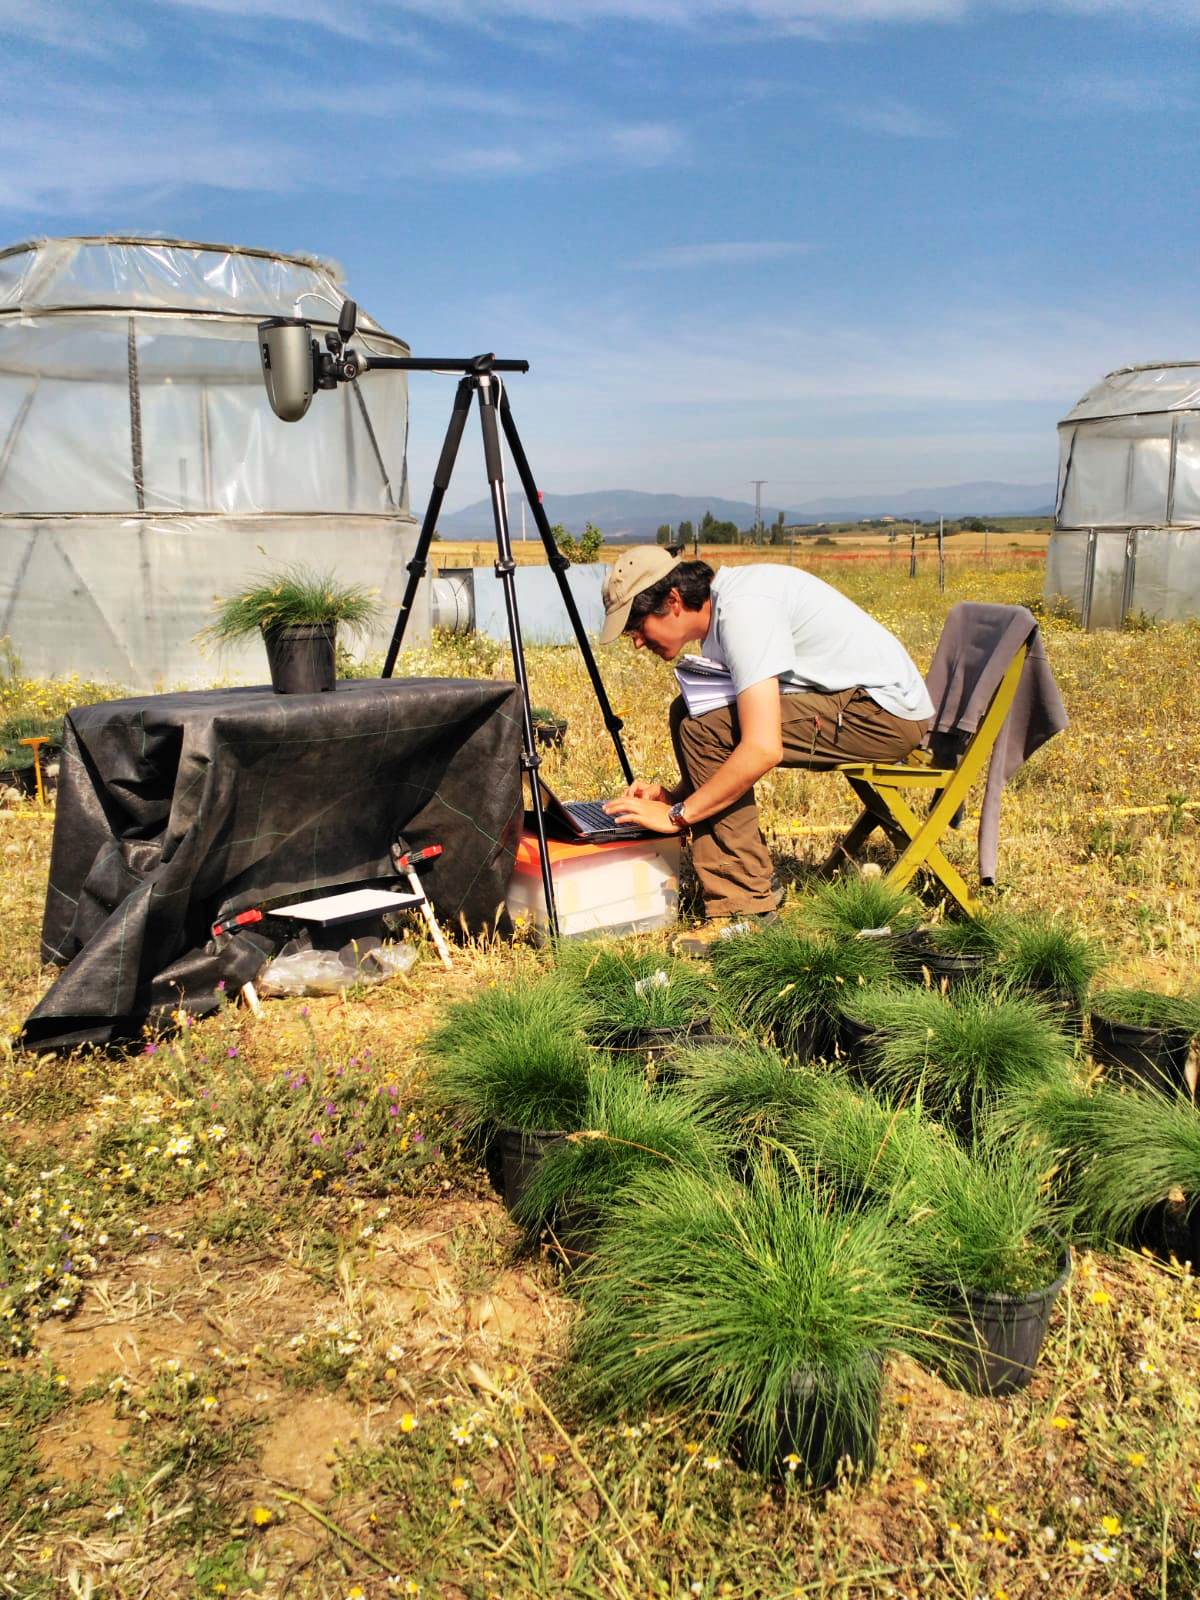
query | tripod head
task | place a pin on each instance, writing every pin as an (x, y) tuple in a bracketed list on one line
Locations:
[(294, 366)]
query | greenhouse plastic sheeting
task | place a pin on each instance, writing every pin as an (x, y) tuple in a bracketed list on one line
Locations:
[(1158, 569), (1148, 389), (169, 274), (206, 438), (177, 811), (122, 599)]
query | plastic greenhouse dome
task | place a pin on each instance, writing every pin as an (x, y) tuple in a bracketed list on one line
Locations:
[(1126, 536), (142, 471)]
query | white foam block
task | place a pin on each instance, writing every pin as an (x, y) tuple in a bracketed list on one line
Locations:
[(348, 904)]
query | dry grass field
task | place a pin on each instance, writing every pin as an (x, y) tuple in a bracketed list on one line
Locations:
[(235, 1366)]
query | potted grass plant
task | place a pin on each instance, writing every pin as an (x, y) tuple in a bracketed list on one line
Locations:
[(626, 1129), (963, 1051), (954, 951), (1143, 1036), (747, 1091), (791, 984), (548, 727), (512, 1067), (762, 1309), (640, 1001), (1128, 1162), (1051, 960), (853, 905), (979, 1226), (298, 612)]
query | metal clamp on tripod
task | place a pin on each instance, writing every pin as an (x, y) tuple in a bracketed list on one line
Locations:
[(295, 367)]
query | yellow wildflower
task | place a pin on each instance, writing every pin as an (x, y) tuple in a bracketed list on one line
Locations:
[(1135, 1458), (262, 1516), (1111, 1526), (1100, 1297), (407, 1422)]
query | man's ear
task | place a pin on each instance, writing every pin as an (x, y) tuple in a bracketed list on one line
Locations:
[(675, 602)]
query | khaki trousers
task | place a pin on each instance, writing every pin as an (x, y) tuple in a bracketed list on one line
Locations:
[(819, 730)]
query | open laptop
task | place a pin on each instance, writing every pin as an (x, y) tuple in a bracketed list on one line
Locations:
[(586, 821)]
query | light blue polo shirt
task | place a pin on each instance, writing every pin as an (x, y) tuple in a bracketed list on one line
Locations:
[(772, 621)]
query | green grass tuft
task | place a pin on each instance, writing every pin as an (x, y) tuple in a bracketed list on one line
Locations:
[(628, 989), (783, 981), (712, 1296), (293, 595), (513, 1056)]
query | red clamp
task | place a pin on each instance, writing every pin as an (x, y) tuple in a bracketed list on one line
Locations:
[(244, 919), (406, 862)]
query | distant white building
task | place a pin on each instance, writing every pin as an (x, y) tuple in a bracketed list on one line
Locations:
[(1126, 535)]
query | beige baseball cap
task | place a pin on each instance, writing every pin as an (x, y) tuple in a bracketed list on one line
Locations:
[(632, 571)]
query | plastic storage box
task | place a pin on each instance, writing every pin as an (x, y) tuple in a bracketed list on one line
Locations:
[(598, 888)]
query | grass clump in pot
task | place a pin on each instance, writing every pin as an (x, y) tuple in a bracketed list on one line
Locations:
[(746, 1090), (1045, 956), (793, 985), (853, 904), (1121, 1153), (513, 1056), (628, 991), (962, 1052), (723, 1299), (626, 1129), (982, 1221), (293, 596), (1143, 1008)]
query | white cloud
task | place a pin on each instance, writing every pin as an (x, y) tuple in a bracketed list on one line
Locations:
[(892, 117), (637, 144), (722, 253)]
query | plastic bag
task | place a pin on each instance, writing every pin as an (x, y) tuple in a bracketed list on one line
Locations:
[(330, 971)]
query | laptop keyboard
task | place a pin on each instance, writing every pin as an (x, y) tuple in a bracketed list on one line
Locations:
[(592, 818)]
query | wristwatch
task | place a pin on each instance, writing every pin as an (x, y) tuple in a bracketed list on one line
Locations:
[(677, 819)]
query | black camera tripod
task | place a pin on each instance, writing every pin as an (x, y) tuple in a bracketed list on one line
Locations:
[(479, 378)]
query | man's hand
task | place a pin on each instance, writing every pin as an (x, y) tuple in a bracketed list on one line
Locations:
[(646, 812), (640, 789)]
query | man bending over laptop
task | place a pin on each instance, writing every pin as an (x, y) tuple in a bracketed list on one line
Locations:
[(815, 681)]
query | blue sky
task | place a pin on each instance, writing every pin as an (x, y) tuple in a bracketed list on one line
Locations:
[(840, 245)]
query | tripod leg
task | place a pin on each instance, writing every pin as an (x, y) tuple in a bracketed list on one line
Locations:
[(441, 482), (505, 568), (559, 566)]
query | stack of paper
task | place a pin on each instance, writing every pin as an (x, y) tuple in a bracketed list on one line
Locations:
[(704, 684)]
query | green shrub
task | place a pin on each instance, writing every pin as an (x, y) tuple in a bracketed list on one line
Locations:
[(513, 1056), (626, 1129), (782, 980), (746, 1090), (628, 989), (961, 1052), (1142, 1008), (853, 903), (712, 1296)]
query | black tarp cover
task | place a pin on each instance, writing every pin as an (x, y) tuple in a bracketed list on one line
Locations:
[(178, 810)]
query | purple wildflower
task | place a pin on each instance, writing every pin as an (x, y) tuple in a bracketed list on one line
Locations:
[(418, 1137), (303, 1011), (232, 1052), (330, 1109), (221, 986), (393, 1111), (150, 1049), (314, 1138)]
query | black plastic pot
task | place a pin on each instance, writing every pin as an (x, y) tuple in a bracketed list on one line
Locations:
[(1154, 1057), (1171, 1229), (827, 1435), (654, 1044), (855, 1041), (551, 732), (997, 1338), (916, 957), (302, 657), (813, 1040), (573, 1235), (519, 1154)]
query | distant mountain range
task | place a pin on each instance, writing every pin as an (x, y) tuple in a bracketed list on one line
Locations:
[(630, 515)]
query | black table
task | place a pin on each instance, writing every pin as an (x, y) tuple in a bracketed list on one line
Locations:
[(178, 810)]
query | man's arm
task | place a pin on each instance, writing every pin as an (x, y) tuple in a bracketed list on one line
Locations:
[(759, 748)]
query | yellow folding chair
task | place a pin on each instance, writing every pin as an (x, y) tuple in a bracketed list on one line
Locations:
[(881, 785)]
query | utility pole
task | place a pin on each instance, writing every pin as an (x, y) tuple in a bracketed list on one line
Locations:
[(941, 554), (758, 527)]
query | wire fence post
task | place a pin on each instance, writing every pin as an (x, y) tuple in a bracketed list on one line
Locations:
[(941, 555), (912, 554)]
